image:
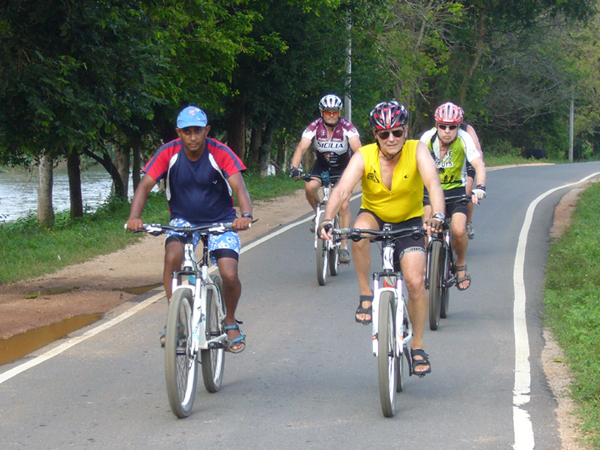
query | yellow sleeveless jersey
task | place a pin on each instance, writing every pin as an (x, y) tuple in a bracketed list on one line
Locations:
[(405, 200)]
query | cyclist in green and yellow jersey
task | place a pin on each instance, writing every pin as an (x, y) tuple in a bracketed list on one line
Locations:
[(451, 148)]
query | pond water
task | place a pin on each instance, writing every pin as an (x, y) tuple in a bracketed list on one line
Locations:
[(18, 191)]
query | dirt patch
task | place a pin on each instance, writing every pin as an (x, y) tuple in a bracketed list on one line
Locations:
[(99, 285)]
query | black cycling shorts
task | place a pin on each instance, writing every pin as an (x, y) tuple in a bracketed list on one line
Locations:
[(451, 207), (406, 244)]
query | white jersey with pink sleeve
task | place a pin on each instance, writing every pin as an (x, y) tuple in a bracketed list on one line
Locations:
[(335, 151)]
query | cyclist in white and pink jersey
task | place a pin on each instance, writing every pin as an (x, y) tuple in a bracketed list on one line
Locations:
[(334, 139)]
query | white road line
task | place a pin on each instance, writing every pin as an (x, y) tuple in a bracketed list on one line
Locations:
[(78, 339), (524, 438), (94, 331)]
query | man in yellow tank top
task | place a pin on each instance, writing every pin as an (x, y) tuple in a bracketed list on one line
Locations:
[(393, 171)]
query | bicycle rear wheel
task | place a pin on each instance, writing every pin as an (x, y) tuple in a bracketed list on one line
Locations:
[(386, 360), (213, 359), (180, 364), (436, 272), (447, 274), (322, 257), (334, 253)]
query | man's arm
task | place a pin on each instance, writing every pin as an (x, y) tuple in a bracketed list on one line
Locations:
[(236, 181), (343, 190), (475, 138), (300, 150), (431, 178), (139, 201), (481, 176), (355, 144)]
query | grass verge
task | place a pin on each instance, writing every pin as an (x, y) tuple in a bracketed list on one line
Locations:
[(28, 250), (572, 299)]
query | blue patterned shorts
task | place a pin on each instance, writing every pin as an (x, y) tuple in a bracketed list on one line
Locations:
[(228, 240)]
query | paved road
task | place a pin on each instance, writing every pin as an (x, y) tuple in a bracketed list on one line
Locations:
[(308, 378)]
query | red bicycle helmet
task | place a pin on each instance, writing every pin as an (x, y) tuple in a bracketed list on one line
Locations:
[(388, 115), (449, 113)]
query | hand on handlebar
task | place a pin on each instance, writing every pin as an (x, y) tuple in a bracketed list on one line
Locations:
[(325, 230), (242, 223), (134, 224), (295, 173), (478, 193)]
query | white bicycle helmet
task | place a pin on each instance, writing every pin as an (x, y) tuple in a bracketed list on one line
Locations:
[(330, 102)]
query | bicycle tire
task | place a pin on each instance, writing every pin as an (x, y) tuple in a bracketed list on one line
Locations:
[(448, 273), (334, 253), (213, 359), (180, 365), (403, 359), (322, 258), (386, 359), (436, 272)]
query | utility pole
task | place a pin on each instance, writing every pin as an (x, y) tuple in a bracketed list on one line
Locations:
[(347, 99), (571, 119)]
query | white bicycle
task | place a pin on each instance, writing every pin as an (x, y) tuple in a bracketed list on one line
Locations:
[(392, 328), (195, 322), (327, 252)]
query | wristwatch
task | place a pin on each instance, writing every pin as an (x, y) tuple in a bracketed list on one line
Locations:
[(249, 215), (440, 217)]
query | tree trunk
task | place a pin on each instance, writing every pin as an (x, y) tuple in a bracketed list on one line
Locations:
[(112, 170), (122, 164), (255, 141), (236, 128), (136, 170), (74, 173), (45, 212), (264, 157)]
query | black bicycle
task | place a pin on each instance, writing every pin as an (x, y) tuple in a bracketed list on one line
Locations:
[(441, 268)]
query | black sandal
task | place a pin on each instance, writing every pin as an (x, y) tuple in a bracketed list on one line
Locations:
[(420, 362), (361, 310)]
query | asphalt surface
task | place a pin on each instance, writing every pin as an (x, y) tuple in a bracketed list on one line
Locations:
[(308, 379)]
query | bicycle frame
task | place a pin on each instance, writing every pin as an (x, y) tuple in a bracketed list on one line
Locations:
[(200, 288), (327, 187), (390, 281)]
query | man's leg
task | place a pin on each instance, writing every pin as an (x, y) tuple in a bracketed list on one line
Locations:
[(173, 261), (312, 195), (413, 270), (345, 220), (469, 228), (312, 192), (232, 290), (361, 255), (460, 243)]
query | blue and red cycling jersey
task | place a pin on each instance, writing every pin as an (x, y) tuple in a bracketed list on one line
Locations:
[(197, 191)]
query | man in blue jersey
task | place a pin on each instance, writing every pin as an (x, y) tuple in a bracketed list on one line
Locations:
[(201, 174)]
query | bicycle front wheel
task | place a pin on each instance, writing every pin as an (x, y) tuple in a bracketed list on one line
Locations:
[(322, 258), (213, 359), (180, 364), (386, 359), (436, 272), (445, 297), (334, 253)]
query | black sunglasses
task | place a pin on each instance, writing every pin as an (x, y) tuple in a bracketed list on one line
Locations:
[(449, 127), (386, 134)]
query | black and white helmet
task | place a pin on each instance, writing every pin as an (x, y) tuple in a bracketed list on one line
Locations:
[(330, 102), (388, 115)]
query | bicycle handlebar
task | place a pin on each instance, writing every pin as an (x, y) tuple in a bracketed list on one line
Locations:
[(156, 229), (356, 234)]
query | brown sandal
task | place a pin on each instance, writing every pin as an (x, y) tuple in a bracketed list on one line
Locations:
[(460, 280)]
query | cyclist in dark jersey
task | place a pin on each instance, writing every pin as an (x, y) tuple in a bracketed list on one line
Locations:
[(334, 140), (201, 175)]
